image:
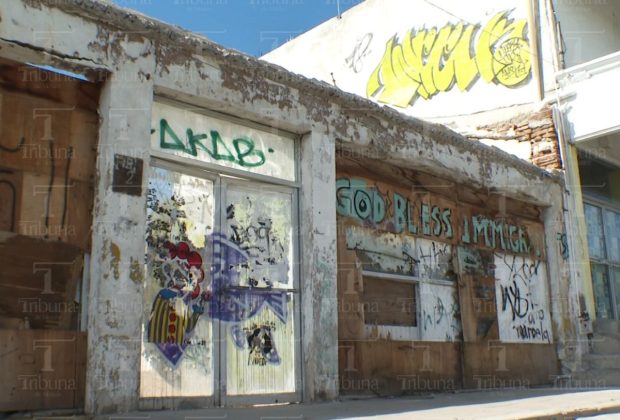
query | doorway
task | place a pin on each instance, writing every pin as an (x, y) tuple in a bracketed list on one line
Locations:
[(220, 305)]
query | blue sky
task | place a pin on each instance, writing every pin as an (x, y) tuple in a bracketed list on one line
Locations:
[(252, 26)]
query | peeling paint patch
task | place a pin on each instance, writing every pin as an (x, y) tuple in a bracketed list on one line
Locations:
[(116, 258), (135, 271)]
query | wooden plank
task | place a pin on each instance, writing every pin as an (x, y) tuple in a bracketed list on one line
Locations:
[(389, 302), (81, 363), (40, 370), (39, 281), (501, 365), (56, 210), (349, 286), (84, 134), (10, 199), (385, 367), (37, 134), (49, 85), (34, 133), (477, 294)]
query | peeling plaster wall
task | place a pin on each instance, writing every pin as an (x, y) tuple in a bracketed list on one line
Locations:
[(115, 315), (135, 58)]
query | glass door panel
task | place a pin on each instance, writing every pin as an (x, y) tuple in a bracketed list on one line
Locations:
[(261, 353), (614, 274), (612, 235), (259, 223), (594, 222), (257, 296), (178, 346), (220, 293), (602, 297)]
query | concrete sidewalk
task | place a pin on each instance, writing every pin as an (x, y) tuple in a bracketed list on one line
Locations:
[(552, 403)]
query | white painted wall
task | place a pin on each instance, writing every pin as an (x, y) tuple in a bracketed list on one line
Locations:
[(522, 300), (588, 94), (590, 29)]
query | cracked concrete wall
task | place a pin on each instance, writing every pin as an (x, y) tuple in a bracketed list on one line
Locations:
[(137, 58)]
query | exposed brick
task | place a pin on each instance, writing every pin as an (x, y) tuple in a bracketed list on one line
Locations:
[(536, 128)]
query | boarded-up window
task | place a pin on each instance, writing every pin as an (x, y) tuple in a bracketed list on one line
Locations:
[(389, 302), (48, 141)]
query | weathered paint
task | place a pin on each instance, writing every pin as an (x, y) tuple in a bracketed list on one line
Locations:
[(522, 301), (184, 132), (439, 310)]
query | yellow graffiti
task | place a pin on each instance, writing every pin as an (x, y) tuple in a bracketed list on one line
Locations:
[(430, 61)]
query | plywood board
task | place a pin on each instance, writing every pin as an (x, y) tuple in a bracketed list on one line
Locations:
[(48, 148), (49, 85), (384, 367), (42, 369), (493, 364), (477, 294), (350, 307), (37, 134), (389, 302), (41, 281)]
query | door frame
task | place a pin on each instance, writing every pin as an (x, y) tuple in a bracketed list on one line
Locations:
[(250, 399), (221, 180)]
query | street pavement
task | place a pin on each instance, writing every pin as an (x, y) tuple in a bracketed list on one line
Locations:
[(537, 403)]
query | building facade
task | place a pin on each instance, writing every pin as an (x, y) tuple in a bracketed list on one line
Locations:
[(186, 226), (533, 78)]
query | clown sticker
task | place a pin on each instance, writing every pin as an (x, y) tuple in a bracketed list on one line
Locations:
[(178, 306)]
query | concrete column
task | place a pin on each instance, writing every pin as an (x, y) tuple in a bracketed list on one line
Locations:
[(577, 232), (319, 309), (563, 287), (117, 263)]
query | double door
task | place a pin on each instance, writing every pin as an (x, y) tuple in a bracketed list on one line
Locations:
[(220, 298)]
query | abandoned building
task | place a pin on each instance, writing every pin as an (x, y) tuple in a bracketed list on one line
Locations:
[(532, 77), (187, 226)]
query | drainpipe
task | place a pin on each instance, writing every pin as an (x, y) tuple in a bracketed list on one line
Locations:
[(533, 18)]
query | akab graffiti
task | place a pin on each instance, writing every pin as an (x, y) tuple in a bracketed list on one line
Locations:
[(429, 61), (244, 152)]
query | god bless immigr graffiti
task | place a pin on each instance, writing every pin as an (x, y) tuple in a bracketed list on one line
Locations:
[(396, 213)]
